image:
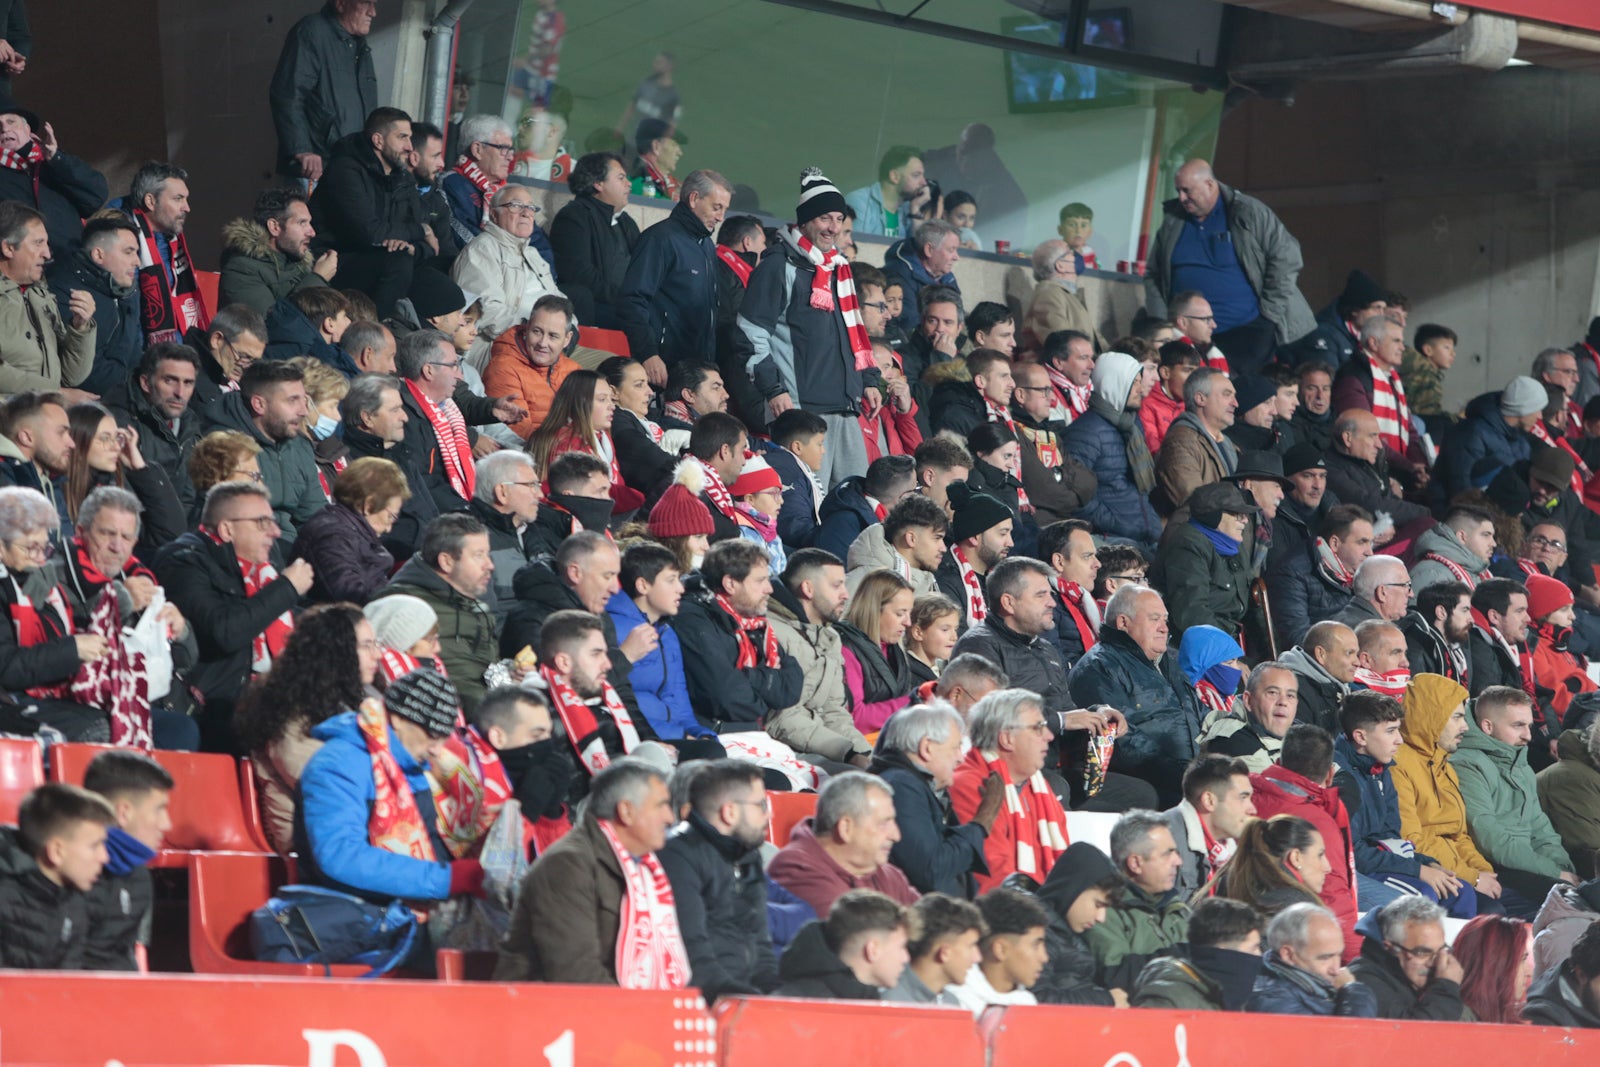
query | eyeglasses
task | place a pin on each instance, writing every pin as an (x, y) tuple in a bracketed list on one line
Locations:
[(1124, 577), (524, 485), (1033, 388), (250, 475), (1041, 727), (105, 439), (40, 552), (1420, 955), (1199, 318), (452, 365), (368, 645), (1541, 539), (878, 305), (519, 208), (1396, 585), (499, 147), (264, 523)]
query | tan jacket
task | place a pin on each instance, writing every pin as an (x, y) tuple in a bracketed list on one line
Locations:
[(1053, 308), (870, 552), (820, 723), (1188, 460), (38, 348), (277, 772)]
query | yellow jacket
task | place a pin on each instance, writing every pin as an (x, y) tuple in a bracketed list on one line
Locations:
[(1433, 816)]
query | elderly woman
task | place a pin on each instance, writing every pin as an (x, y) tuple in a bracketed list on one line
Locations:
[(1205, 575), (104, 454), (325, 388), (499, 264), (221, 456), (344, 542), (1057, 302), (40, 655)]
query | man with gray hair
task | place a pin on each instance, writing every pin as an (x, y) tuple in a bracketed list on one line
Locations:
[(324, 85), (1150, 918), (1559, 367), (845, 845), (926, 258), (506, 500), (373, 419), (487, 149), (1407, 964), (1380, 591), (967, 679), (1196, 450), (1256, 738), (567, 927), (1370, 381), (370, 346), (437, 438), (1300, 972), (1057, 302), (918, 751), (668, 302)]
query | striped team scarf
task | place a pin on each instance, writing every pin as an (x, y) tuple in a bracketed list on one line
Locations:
[(650, 949), (1040, 828), (1001, 413), (1461, 573), (972, 585), (1580, 470), (485, 185), (28, 161), (1389, 406), (1071, 400), (832, 262), (455, 447)]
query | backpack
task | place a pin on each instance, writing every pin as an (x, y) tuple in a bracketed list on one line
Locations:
[(309, 924)]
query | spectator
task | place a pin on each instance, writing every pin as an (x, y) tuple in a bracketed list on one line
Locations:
[(717, 446), (1437, 630), (63, 352), (943, 953), (344, 542), (102, 455), (1498, 644), (713, 861), (885, 206), (931, 638), (451, 572), (567, 926), (436, 438), (1458, 549), (1491, 436), (373, 422), (271, 409), (668, 302), (979, 536), (1201, 566), (643, 457), (693, 389), (105, 267), (268, 256), (1337, 338), (1213, 663), (1206, 823), (858, 953), (1110, 442), (36, 426), (1256, 739), (1301, 973), (990, 324), (1382, 662), (1165, 404), (221, 456), (861, 501), (1317, 581), (1069, 548), (61, 187), (311, 322), (594, 237), (925, 258), (240, 607), (427, 167), (1056, 483), (937, 313), (579, 420), (741, 246), (965, 680), (844, 846), (1280, 861), (1255, 424), (918, 753), (1407, 964), (941, 461), (530, 363), (658, 154), (1570, 994), (503, 268), (1057, 303), (1014, 952), (909, 541), (797, 451), (155, 404), (1371, 382), (235, 338), (1150, 918), (506, 500), (877, 671), (1133, 668), (49, 863), (679, 519), (1195, 450), (1077, 894), (119, 906), (1567, 792), (1422, 369), (1218, 969), (1358, 473), (1325, 664), (1496, 956), (510, 748), (1192, 314), (324, 85), (1313, 419), (961, 406), (484, 165), (1559, 674)]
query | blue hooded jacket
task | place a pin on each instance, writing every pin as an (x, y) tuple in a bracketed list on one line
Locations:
[(658, 680), (1375, 817), (845, 513)]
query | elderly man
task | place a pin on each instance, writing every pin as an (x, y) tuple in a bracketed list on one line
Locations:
[(506, 500), (1133, 669), (1380, 591), (844, 846), (918, 752), (1151, 918), (235, 337), (593, 237), (1456, 550), (1301, 973), (1230, 247), (437, 438), (567, 925), (1381, 663), (268, 256), (105, 266), (1315, 582), (61, 187), (370, 346), (1358, 473), (1217, 803), (1196, 451), (1256, 739), (1407, 964), (926, 258), (1325, 664), (324, 85), (1371, 382), (503, 268), (933, 341), (668, 301), (155, 403), (1109, 440), (1057, 302), (238, 604), (39, 349), (965, 680), (271, 408), (1559, 367)]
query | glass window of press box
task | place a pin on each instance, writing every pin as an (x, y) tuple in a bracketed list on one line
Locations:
[(1096, 105)]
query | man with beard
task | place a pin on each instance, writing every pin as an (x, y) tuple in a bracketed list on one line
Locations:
[(271, 408), (268, 256), (105, 267), (36, 423), (884, 207), (1436, 631), (155, 404), (979, 536), (427, 167), (158, 203)]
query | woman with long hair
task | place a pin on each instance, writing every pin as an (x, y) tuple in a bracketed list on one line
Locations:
[(935, 625), (580, 421), (1279, 861), (877, 671), (105, 454), (325, 668), (643, 453), (1496, 954)]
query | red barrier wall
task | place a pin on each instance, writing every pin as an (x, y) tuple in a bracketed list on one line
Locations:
[(1582, 14), (768, 1033)]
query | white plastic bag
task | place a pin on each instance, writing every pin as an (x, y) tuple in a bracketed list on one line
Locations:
[(149, 635), (480, 923)]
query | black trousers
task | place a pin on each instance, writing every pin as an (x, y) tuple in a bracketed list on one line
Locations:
[(1249, 347)]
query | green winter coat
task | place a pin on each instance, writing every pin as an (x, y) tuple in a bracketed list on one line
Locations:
[(1569, 793), (255, 273), (1175, 983), (1136, 928), (1503, 812), (467, 641), (1201, 585)]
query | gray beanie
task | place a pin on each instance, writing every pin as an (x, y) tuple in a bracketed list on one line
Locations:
[(1523, 396), (399, 622)]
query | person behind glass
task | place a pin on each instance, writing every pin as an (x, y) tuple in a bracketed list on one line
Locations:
[(324, 670), (876, 669), (593, 237), (930, 637), (579, 420), (344, 542), (104, 454)]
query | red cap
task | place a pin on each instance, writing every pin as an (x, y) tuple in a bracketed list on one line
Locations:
[(1545, 595)]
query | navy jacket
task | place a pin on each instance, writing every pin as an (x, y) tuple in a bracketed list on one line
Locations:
[(845, 513), (668, 303), (1302, 594), (323, 89), (728, 700), (119, 335), (901, 264), (291, 334), (798, 516), (1480, 446), (1284, 990), (1118, 509), (1368, 792), (937, 853), (1158, 702)]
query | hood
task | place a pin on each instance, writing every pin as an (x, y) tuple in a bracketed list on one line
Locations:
[(1429, 700), (1568, 902), (1301, 663), (1113, 378), (9, 450), (783, 605), (1570, 746), (417, 573), (1202, 648), (341, 726), (809, 957), (849, 495), (950, 372), (1082, 866), (248, 238), (538, 583), (1504, 756), (14, 859), (1442, 541), (230, 413), (871, 549)]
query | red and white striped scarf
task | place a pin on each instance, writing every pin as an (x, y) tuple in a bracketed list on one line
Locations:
[(27, 161), (747, 625), (269, 642), (1215, 360), (738, 264), (1211, 698), (1040, 829), (650, 949), (583, 729), (1085, 613), (1071, 399), (1001, 413), (1461, 573), (1580, 470), (832, 262), (1389, 407), (1391, 684), (485, 185), (455, 447), (1334, 565), (721, 499), (972, 585)]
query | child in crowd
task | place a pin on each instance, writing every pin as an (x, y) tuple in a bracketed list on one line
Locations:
[(1014, 952), (1432, 352), (1559, 674), (758, 498), (799, 442), (935, 625), (944, 953), (139, 791), (1077, 226), (48, 863)]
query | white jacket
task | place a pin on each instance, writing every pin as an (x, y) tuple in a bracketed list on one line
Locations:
[(508, 275)]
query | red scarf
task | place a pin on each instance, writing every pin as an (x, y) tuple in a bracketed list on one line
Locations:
[(1334, 565), (748, 625), (170, 305), (1072, 399), (1461, 573), (93, 579), (394, 824), (28, 161), (1580, 470), (1211, 698), (977, 607), (1215, 359), (666, 185), (1389, 407), (832, 263), (1085, 615), (1519, 653), (117, 681), (1217, 852), (650, 949), (738, 264), (718, 493), (1039, 827), (1001, 413), (582, 726), (1392, 684), (267, 644), (455, 448), (485, 185), (1528, 567), (471, 796), (623, 496)]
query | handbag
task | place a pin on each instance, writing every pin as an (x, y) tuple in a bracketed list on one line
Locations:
[(310, 924)]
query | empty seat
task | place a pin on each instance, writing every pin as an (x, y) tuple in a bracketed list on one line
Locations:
[(613, 341), (208, 281), (207, 813), (788, 809), (21, 769), (224, 888)]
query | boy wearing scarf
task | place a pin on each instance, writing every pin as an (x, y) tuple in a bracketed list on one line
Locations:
[(139, 791)]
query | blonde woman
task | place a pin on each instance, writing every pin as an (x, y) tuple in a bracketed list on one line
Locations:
[(877, 671)]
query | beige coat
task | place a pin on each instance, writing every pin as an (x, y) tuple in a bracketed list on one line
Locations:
[(508, 275), (1053, 308), (38, 348), (1187, 461), (277, 772), (820, 723), (870, 552)]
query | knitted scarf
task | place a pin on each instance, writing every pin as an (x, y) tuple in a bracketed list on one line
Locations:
[(1333, 566), (718, 493), (747, 625), (1040, 833), (832, 262), (455, 447), (1389, 407), (394, 825), (1580, 470), (1460, 573), (28, 161), (92, 579), (583, 729), (1085, 613), (1391, 684), (738, 264), (650, 949), (972, 585), (170, 306), (267, 644), (471, 789), (1073, 399), (485, 185), (116, 682), (1212, 700), (1001, 413), (1141, 467), (34, 628), (679, 411)]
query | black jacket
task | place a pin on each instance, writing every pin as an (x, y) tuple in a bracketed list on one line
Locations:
[(119, 336), (1355, 481), (1005, 487), (118, 908), (822, 365), (591, 255), (420, 448), (47, 663), (1295, 527), (539, 592), (883, 676), (726, 699), (161, 445), (845, 512), (356, 206), (43, 926), (809, 968), (323, 89), (69, 191), (948, 575), (419, 509), (1379, 971), (1031, 663), (668, 302), (1426, 651), (1201, 585), (436, 215), (937, 852), (550, 527), (1556, 999), (1303, 592), (645, 465), (957, 406), (721, 893), (346, 553), (1068, 977)]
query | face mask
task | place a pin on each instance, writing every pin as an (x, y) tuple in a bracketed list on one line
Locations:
[(1224, 677), (518, 761), (324, 427), (594, 514), (697, 559)]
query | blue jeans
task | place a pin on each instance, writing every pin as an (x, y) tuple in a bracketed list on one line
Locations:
[(1374, 893)]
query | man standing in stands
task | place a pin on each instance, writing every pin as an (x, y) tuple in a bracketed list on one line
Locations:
[(61, 187), (593, 237), (268, 256), (324, 86)]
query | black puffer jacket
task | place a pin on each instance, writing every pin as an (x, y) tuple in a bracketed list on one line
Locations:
[(323, 88), (119, 906), (722, 910), (726, 699), (938, 853), (119, 337), (1303, 592), (68, 191), (357, 206), (1068, 978), (1379, 970), (43, 926), (1030, 663), (539, 592), (957, 406), (809, 968)]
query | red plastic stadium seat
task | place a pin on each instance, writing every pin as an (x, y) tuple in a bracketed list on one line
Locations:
[(207, 281), (207, 814), (224, 888), (788, 809), (462, 965), (252, 804), (21, 769), (613, 341)]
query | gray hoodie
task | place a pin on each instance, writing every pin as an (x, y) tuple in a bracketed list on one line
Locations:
[(871, 552), (1442, 541)]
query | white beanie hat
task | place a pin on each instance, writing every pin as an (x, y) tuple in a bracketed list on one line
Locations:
[(399, 622)]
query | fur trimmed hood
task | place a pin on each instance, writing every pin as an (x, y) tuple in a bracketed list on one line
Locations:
[(954, 370), (246, 237)]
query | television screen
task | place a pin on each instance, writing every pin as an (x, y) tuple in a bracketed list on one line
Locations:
[(1036, 83)]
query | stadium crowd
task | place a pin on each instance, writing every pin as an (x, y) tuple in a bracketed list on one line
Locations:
[(1237, 578)]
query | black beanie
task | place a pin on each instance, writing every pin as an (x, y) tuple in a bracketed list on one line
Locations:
[(818, 196), (424, 697), (975, 512), (433, 294)]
